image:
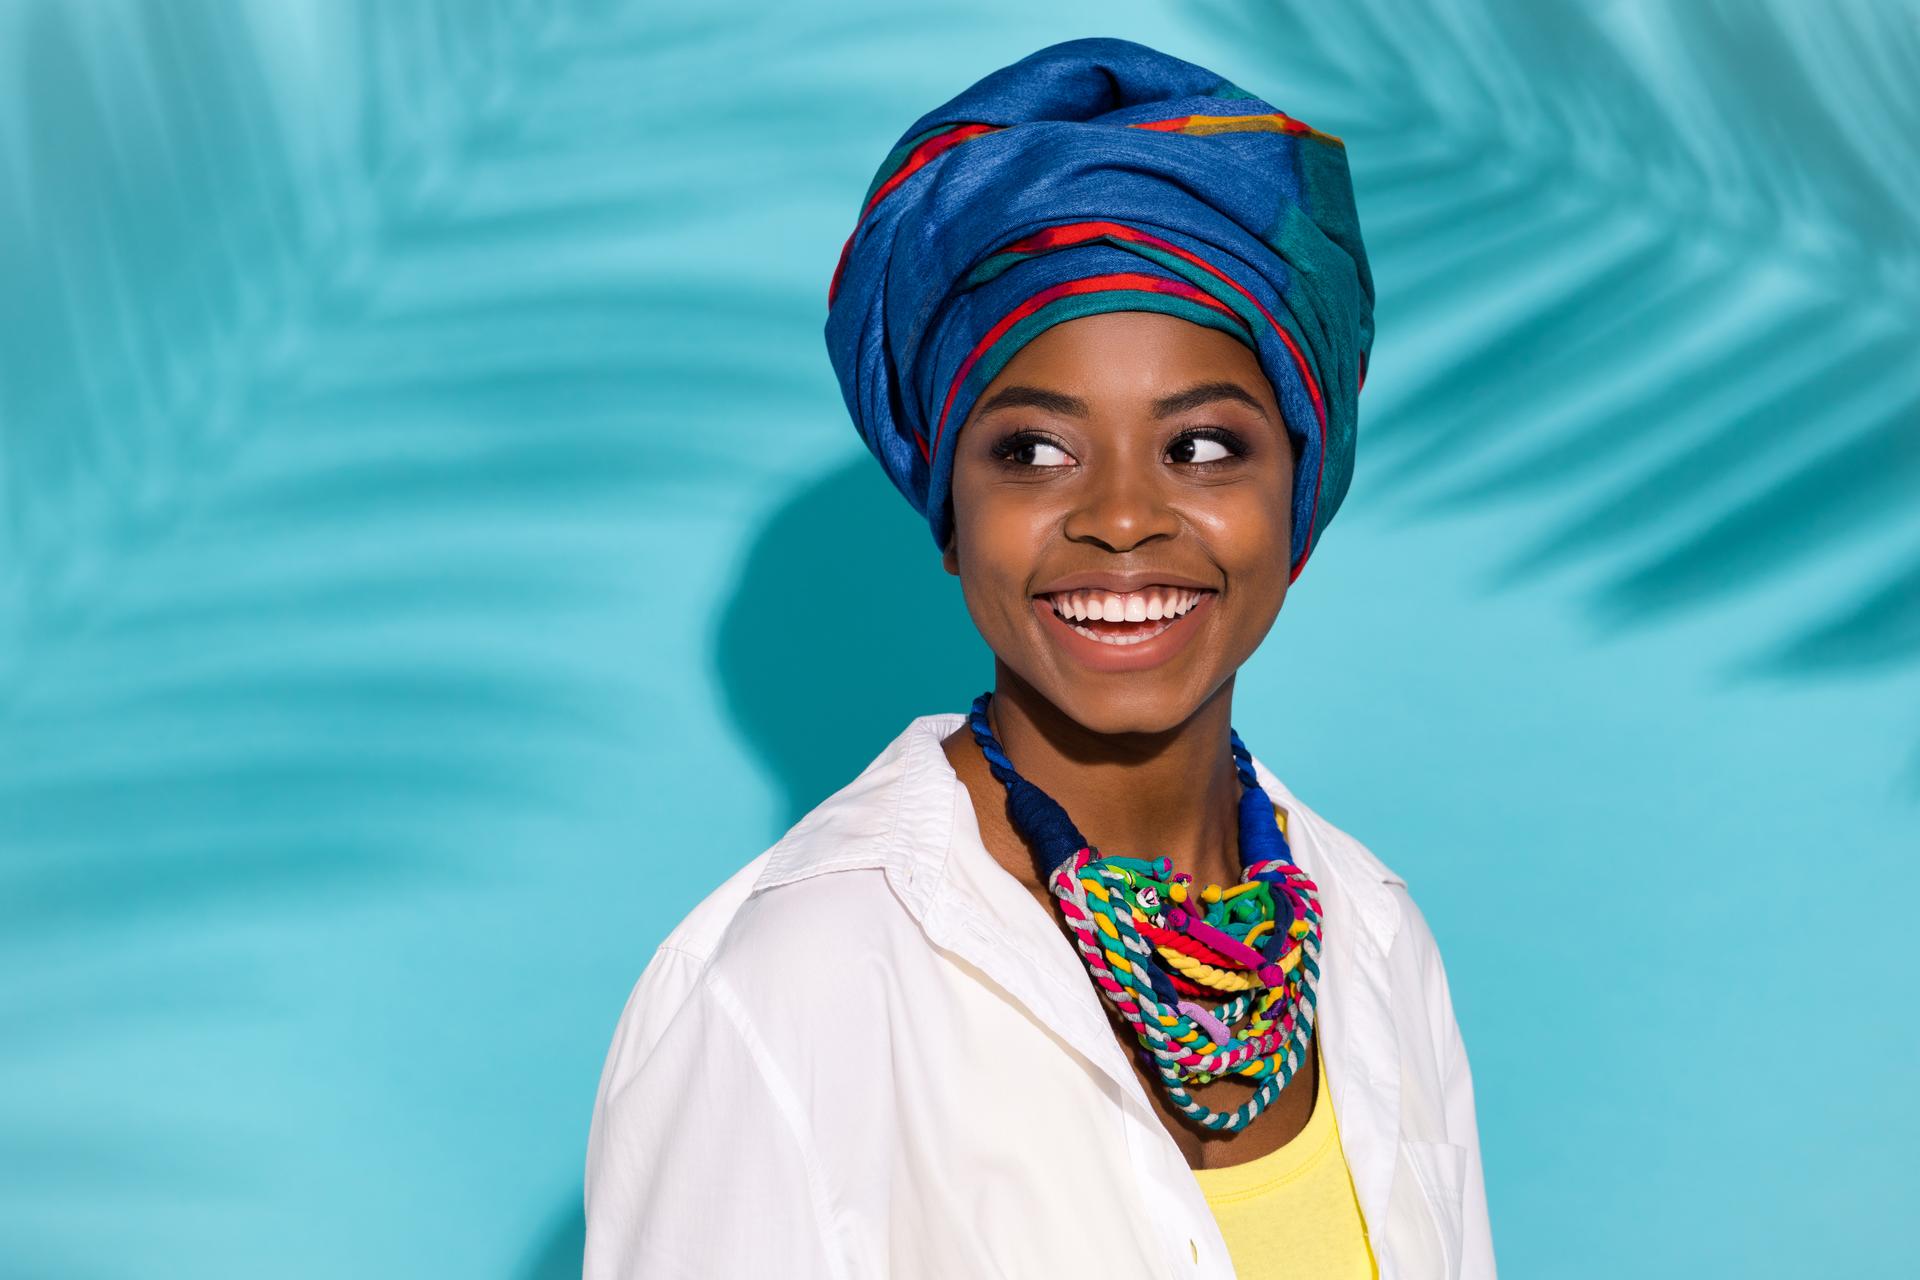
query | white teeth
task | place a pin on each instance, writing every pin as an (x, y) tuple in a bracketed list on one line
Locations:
[(1153, 605), (1123, 640)]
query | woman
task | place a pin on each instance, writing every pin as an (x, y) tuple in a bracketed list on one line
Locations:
[(1071, 985)]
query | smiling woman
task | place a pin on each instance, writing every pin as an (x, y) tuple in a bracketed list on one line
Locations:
[(1128, 1007)]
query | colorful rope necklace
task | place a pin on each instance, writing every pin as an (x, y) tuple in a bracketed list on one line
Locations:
[(1184, 967)]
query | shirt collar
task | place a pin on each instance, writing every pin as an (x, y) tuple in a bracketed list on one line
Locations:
[(899, 814)]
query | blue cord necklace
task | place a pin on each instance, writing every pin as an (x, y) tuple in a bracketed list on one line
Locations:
[(1214, 981)]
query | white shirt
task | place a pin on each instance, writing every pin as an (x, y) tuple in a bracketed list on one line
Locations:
[(872, 1053)]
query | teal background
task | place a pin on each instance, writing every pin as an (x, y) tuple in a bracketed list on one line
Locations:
[(429, 528)]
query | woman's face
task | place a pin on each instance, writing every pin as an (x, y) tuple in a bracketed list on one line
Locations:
[(1133, 465)]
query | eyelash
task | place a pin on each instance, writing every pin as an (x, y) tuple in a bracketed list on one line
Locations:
[(1006, 447), (1231, 441)]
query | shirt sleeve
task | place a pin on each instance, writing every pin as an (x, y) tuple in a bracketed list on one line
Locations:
[(698, 1163), (1476, 1244)]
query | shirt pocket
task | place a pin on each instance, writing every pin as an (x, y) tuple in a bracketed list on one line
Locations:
[(1440, 1170)]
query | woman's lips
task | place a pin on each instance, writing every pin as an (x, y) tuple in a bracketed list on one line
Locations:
[(1132, 646)]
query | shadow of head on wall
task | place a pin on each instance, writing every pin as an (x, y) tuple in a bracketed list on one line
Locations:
[(842, 627)]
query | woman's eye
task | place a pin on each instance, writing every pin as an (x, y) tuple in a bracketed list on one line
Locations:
[(1032, 451), (1201, 448)]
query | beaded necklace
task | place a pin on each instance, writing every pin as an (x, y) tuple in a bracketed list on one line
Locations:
[(1183, 968)]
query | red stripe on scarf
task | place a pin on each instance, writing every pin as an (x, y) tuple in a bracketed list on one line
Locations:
[(916, 160), (1073, 233)]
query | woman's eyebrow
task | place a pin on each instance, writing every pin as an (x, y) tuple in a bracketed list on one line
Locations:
[(1205, 393), (1019, 397)]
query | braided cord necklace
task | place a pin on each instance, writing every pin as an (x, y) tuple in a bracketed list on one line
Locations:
[(1184, 968)]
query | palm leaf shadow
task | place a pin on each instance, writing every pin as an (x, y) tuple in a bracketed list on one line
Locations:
[(163, 575), (1654, 274), (336, 391), (345, 386)]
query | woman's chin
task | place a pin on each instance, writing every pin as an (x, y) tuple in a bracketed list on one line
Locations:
[(1131, 704)]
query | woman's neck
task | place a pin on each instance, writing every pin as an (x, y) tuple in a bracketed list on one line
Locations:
[(1170, 794)]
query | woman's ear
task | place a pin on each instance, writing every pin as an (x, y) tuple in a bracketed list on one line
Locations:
[(950, 556)]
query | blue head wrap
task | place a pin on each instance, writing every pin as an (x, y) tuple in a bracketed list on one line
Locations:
[(1101, 175)]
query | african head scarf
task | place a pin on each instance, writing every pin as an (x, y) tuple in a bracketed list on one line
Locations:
[(1101, 175)]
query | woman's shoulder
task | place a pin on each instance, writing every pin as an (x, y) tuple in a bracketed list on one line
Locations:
[(765, 964), (698, 933), (829, 872), (819, 902), (751, 927)]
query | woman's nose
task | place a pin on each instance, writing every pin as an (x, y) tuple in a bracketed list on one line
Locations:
[(1121, 507)]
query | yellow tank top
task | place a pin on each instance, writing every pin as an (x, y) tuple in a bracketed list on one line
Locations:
[(1292, 1214)]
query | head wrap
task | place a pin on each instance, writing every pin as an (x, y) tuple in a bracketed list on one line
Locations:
[(1101, 175)]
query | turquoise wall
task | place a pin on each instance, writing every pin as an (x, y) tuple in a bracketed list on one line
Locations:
[(427, 517)]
